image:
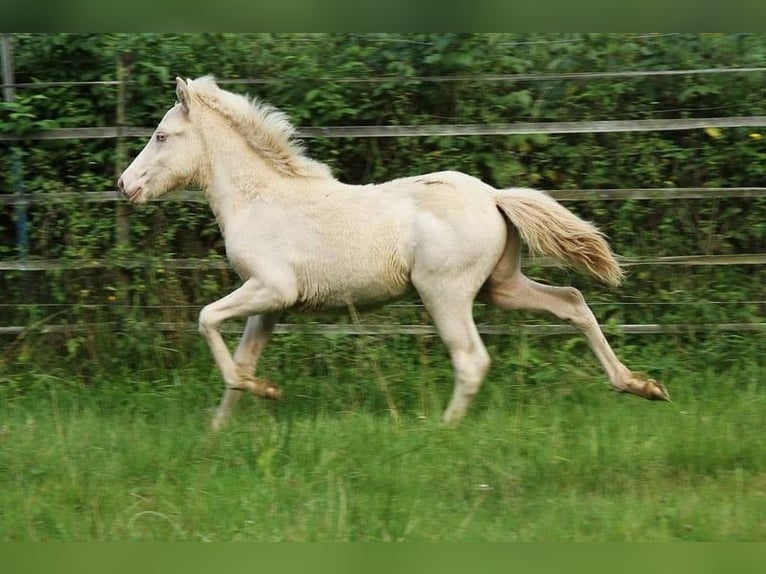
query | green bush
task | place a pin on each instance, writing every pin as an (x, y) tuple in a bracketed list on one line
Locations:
[(392, 79)]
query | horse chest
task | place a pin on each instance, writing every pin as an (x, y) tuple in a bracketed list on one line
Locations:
[(332, 265)]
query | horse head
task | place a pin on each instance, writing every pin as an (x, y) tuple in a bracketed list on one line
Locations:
[(172, 156)]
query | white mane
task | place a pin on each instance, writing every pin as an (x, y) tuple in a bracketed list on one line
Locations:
[(267, 130)]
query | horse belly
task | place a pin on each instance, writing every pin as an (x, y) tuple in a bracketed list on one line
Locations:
[(340, 284)]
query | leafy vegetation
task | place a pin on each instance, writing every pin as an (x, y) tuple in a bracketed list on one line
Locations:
[(387, 79), (393, 79)]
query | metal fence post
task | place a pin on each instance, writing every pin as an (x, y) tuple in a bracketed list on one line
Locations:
[(17, 177)]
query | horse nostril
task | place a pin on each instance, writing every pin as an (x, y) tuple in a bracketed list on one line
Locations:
[(121, 185)]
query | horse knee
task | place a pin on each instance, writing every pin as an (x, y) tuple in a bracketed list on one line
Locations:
[(207, 321)]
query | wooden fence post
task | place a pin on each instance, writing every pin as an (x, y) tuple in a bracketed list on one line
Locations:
[(123, 228), (122, 223)]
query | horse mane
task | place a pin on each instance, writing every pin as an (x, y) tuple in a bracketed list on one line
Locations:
[(266, 130)]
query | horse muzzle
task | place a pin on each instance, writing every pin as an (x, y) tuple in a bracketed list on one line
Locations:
[(133, 193)]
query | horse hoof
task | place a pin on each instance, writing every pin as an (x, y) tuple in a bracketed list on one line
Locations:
[(655, 391), (645, 388)]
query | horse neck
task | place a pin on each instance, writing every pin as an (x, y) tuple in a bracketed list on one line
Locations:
[(234, 174)]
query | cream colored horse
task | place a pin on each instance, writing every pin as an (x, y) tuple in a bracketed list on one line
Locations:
[(300, 239)]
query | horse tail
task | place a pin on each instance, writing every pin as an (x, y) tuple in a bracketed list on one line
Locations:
[(550, 229)]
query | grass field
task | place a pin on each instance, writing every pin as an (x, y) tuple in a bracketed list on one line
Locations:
[(547, 453)]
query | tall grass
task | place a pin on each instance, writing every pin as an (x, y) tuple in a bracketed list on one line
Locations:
[(547, 452)]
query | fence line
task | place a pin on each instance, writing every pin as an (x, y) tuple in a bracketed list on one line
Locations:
[(393, 329), (396, 305), (120, 133), (608, 194), (212, 264), (516, 128), (518, 77)]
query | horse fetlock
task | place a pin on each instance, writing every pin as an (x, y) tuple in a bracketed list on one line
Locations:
[(266, 388), (218, 421), (258, 386), (646, 388), (458, 406), (453, 416)]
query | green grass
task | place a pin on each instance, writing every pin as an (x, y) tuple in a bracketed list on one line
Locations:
[(547, 453)]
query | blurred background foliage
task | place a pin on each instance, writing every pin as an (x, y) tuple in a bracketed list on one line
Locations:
[(386, 79)]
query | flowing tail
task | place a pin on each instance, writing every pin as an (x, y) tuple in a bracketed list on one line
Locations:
[(550, 229)]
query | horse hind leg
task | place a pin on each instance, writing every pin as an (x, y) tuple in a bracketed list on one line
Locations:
[(470, 359), (568, 304)]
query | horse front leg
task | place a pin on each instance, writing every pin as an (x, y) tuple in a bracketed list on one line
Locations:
[(252, 298), (257, 333)]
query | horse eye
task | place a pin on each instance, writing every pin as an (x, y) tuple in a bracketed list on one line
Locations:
[(161, 136)]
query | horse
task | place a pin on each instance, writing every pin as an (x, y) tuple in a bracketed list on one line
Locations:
[(302, 240)]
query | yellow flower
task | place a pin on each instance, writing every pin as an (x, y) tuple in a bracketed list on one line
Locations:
[(755, 136), (714, 133)]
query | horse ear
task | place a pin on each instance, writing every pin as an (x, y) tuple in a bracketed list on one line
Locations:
[(182, 93)]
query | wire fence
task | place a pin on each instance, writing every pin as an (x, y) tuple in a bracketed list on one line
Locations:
[(120, 133), (360, 329), (458, 78), (518, 128)]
